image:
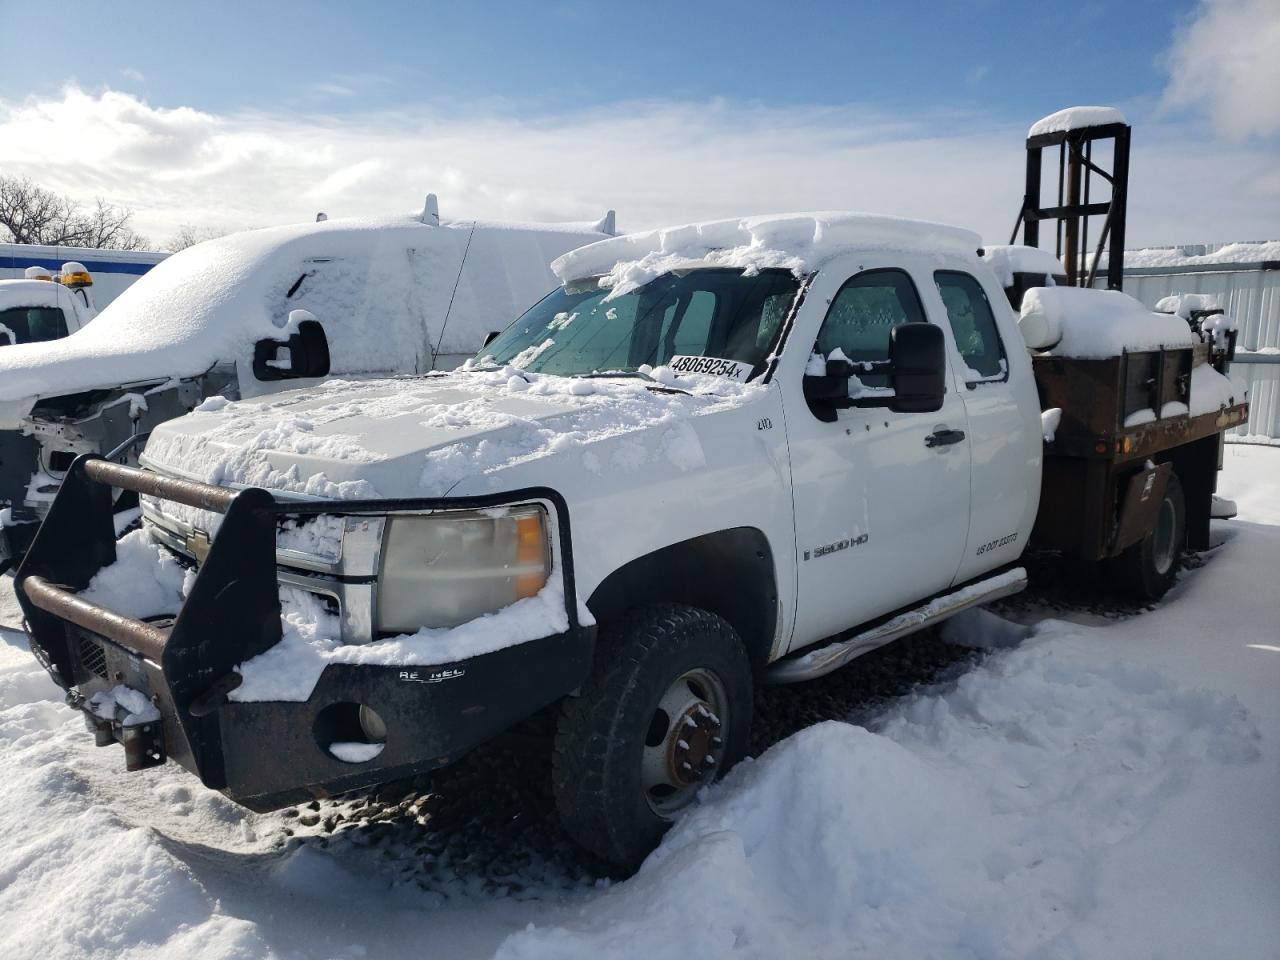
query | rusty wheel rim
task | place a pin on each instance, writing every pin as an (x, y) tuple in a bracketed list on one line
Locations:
[(684, 745)]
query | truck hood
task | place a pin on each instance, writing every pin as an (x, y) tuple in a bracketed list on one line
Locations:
[(381, 287), (429, 436)]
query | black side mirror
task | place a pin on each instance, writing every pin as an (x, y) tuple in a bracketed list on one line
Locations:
[(917, 371), (917, 368), (308, 355), (489, 337)]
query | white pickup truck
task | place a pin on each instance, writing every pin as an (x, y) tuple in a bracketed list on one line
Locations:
[(42, 306), (718, 454)]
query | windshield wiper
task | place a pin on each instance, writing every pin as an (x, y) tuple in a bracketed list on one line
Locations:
[(658, 385)]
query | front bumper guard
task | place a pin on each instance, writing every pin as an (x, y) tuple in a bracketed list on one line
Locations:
[(267, 754)]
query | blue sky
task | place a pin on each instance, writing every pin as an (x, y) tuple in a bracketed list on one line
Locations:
[(344, 57), (232, 115)]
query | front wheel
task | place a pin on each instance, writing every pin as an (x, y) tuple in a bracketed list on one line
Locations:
[(667, 710), (1147, 570)]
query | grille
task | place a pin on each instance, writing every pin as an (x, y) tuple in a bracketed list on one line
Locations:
[(92, 657)]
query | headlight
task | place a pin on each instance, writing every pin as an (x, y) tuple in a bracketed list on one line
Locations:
[(447, 568)]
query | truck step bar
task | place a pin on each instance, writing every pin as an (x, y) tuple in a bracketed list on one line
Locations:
[(832, 656)]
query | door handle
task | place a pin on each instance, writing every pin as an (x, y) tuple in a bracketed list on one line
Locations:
[(943, 438)]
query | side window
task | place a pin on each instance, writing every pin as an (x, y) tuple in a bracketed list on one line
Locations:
[(867, 307), (974, 326)]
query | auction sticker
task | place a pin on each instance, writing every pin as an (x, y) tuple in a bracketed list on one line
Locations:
[(712, 366)]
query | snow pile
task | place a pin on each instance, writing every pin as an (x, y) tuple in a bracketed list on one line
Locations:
[(1182, 304), (1215, 328), (1075, 322), (970, 824), (381, 287), (1211, 391), (129, 707), (145, 581), (440, 434), (1075, 118), (799, 242), (1005, 261)]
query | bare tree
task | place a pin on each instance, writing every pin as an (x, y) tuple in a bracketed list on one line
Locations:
[(189, 235), (31, 214)]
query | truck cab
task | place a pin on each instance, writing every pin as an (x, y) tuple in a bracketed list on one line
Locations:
[(42, 307)]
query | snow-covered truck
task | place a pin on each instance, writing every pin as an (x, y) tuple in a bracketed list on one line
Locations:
[(43, 306), (720, 454), (253, 313), (111, 272)]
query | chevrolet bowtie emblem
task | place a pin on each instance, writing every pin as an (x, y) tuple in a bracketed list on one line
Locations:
[(197, 545)]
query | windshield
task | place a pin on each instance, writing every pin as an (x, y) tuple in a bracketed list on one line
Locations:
[(31, 325), (718, 313)]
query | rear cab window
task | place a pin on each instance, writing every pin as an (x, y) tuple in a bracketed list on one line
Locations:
[(973, 325)]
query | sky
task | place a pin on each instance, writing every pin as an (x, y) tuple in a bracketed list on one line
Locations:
[(234, 115)]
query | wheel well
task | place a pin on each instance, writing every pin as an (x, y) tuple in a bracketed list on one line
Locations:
[(729, 573)]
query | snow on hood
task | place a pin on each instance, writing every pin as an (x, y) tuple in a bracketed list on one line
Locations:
[(799, 242), (428, 436), (381, 287)]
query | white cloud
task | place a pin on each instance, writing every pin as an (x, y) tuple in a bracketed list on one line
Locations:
[(655, 162), (129, 73), (1225, 60)]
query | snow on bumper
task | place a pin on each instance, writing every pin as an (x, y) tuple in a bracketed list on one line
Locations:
[(273, 753)]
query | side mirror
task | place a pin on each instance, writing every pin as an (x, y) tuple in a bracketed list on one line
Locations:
[(489, 337), (917, 368), (917, 371), (306, 355)]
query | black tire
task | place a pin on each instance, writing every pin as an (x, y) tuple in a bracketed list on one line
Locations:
[(1148, 569), (607, 734)]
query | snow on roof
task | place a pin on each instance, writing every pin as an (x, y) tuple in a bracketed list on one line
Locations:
[(1005, 261), (797, 241), (31, 293), (1084, 323), (381, 287), (1075, 118), (1255, 251)]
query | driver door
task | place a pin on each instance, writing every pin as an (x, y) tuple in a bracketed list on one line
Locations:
[(881, 509)]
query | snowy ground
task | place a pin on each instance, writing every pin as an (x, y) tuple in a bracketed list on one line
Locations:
[(1084, 786)]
